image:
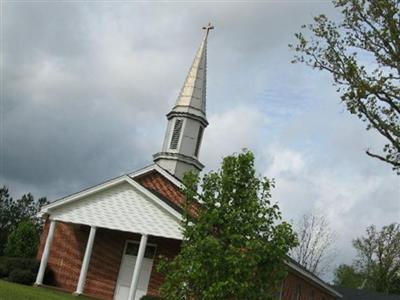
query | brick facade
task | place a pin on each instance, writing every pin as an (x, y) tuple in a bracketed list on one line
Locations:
[(69, 244), (158, 184), (296, 287)]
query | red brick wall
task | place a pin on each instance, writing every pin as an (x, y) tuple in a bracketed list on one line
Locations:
[(157, 182), (66, 253), (296, 287)]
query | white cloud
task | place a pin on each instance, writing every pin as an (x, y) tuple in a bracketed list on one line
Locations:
[(87, 87), (231, 131)]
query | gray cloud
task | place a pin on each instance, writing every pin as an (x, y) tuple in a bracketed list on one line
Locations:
[(87, 87)]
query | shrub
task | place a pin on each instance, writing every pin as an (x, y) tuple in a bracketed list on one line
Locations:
[(20, 263), (23, 241), (22, 276), (3, 270), (147, 297)]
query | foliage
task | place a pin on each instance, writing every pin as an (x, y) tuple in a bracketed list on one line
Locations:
[(379, 257), (377, 265), (235, 247), (23, 241), (347, 276), (14, 211), (362, 53), (16, 263), (146, 297), (22, 276), (10, 264), (316, 239)]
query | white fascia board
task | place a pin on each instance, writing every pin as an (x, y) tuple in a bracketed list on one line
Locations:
[(313, 278), (155, 167), (81, 194), (105, 185)]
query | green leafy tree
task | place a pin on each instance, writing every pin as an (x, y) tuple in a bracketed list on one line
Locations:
[(362, 53), (23, 241), (348, 276), (377, 266), (378, 257), (12, 212), (236, 245)]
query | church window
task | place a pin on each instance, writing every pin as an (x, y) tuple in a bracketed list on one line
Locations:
[(176, 133), (199, 137)]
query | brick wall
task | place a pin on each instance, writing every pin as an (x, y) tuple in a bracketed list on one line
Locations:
[(295, 287), (66, 253), (159, 184)]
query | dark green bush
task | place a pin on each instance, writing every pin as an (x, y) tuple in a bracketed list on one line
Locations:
[(3, 270), (22, 276), (147, 297), (23, 241), (10, 264), (21, 263)]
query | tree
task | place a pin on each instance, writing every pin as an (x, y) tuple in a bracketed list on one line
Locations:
[(348, 276), (316, 240), (378, 257), (236, 245), (377, 266), (12, 212), (23, 241), (362, 53)]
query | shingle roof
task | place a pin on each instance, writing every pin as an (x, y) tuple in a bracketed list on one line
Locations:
[(355, 294)]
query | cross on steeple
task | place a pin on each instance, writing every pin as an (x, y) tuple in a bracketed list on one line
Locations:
[(208, 28)]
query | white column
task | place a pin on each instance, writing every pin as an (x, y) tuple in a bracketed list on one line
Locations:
[(45, 254), (86, 261), (138, 267)]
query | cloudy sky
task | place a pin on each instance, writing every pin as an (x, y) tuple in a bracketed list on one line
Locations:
[(86, 86)]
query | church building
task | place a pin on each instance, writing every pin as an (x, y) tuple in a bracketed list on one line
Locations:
[(105, 241)]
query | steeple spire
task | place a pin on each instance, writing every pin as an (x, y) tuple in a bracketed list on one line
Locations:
[(192, 98), (187, 119)]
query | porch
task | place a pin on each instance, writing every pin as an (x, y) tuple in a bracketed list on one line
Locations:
[(103, 263), (87, 236)]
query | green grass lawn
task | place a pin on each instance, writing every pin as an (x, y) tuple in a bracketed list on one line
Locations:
[(13, 291)]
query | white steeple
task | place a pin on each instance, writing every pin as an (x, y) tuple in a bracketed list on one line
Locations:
[(187, 119)]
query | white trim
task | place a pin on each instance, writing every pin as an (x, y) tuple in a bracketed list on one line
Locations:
[(125, 178), (46, 253), (155, 167), (86, 261), (313, 278)]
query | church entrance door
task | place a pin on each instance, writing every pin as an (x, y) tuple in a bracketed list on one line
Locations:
[(127, 267)]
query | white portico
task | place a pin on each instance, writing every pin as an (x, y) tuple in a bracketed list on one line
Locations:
[(120, 204)]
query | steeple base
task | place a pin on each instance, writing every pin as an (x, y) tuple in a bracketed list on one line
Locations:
[(177, 164)]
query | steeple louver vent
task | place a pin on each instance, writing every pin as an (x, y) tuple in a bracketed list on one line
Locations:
[(198, 143), (176, 134)]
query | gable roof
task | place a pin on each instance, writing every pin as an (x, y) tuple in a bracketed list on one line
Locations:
[(356, 294), (120, 204)]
